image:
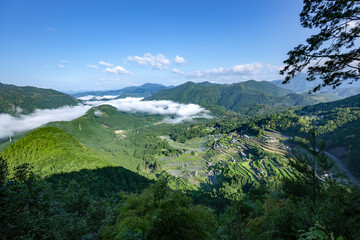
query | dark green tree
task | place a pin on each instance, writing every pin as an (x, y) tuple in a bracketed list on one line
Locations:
[(161, 213), (310, 160), (332, 54)]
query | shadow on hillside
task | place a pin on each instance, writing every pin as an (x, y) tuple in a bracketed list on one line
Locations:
[(102, 182), (209, 196)]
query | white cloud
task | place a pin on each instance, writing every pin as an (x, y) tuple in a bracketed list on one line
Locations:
[(117, 70), (159, 61), (102, 63), (92, 97), (92, 66), (176, 112), (179, 60), (175, 70), (256, 71), (10, 125), (61, 66)]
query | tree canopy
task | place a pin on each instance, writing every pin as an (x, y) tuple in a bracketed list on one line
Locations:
[(332, 54)]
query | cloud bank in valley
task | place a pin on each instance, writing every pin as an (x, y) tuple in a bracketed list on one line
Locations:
[(93, 97), (179, 112), (173, 112), (10, 125)]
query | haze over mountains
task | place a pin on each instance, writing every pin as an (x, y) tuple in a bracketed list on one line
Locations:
[(145, 90), (299, 84)]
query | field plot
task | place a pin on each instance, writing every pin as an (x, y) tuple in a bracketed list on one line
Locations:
[(226, 155), (195, 144)]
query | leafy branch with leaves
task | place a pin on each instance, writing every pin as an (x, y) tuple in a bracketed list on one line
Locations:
[(333, 53)]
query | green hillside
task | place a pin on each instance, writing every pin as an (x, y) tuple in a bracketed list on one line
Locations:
[(99, 124), (50, 150), (111, 133), (238, 95), (353, 101), (14, 99)]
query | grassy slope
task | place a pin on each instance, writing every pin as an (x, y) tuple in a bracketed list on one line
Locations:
[(51, 150)]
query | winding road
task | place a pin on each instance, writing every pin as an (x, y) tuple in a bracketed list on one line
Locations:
[(353, 179), (347, 171)]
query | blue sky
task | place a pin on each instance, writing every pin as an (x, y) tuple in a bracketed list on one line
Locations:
[(93, 45)]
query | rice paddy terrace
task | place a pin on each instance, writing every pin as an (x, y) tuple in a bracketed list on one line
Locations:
[(212, 158)]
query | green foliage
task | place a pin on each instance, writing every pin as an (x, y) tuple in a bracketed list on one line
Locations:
[(311, 160), (65, 206), (161, 213), (103, 182), (182, 134), (315, 233), (31, 98), (267, 215)]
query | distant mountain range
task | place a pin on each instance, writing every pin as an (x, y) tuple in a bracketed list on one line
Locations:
[(248, 98), (15, 100), (300, 85), (145, 90), (239, 97)]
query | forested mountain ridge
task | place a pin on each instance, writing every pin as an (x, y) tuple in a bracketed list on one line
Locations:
[(15, 100), (238, 95)]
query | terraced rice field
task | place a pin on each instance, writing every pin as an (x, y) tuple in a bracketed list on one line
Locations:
[(195, 167)]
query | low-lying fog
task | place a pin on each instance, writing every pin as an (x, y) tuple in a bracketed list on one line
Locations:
[(10, 125)]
